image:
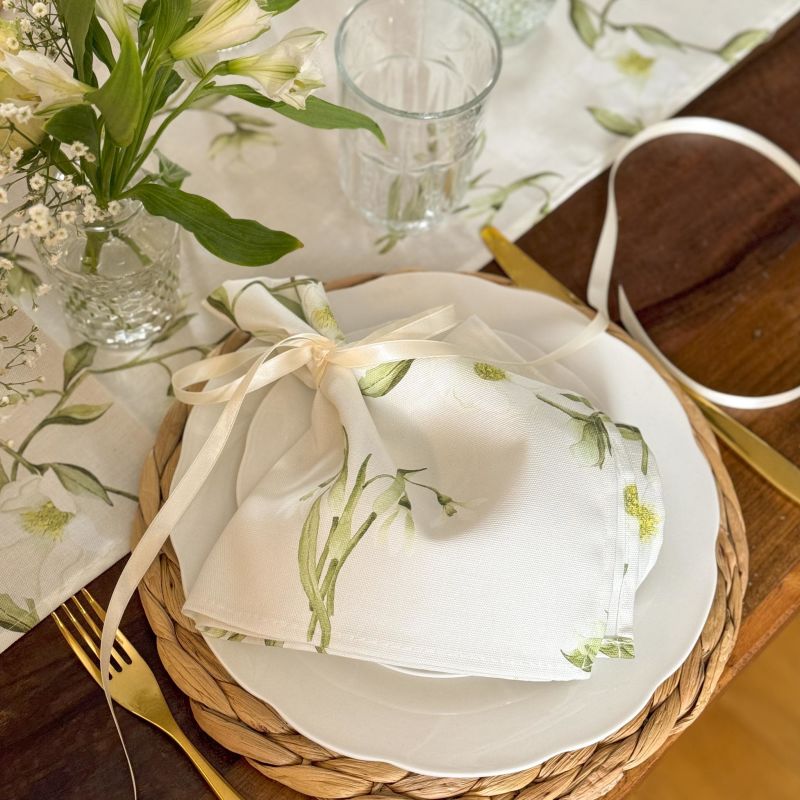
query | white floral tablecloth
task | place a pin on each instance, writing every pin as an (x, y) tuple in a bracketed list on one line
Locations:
[(595, 74)]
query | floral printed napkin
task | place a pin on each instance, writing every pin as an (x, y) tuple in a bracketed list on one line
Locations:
[(444, 514)]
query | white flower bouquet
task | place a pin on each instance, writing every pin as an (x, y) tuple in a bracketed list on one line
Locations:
[(88, 88)]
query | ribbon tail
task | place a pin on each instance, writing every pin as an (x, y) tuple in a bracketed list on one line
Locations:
[(602, 267), (160, 528)]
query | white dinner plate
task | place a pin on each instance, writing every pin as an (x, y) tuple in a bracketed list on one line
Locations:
[(473, 727)]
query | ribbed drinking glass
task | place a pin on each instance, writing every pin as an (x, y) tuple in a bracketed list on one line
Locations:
[(423, 70)]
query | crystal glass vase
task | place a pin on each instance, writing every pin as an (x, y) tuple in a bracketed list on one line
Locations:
[(118, 278), (515, 20)]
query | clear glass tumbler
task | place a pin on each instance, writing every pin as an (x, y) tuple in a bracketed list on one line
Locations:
[(515, 20), (423, 70)]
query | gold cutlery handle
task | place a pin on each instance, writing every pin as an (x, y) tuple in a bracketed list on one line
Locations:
[(221, 788), (751, 448)]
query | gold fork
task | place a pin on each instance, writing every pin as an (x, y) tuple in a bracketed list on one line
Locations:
[(133, 684)]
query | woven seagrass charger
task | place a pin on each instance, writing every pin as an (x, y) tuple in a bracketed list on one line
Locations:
[(247, 726)]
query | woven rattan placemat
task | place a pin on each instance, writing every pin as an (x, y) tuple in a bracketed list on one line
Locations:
[(250, 727)]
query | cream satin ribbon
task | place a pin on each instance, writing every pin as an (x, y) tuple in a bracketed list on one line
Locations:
[(406, 339), (602, 267)]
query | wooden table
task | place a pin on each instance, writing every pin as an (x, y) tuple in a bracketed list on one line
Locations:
[(710, 255)]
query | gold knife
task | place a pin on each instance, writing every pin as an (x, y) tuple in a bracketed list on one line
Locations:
[(763, 458)]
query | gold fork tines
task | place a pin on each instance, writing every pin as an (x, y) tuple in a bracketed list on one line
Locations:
[(132, 683)]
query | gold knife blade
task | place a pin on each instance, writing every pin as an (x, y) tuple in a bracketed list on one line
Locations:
[(752, 449)]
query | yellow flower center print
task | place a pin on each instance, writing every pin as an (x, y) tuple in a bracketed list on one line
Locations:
[(488, 371), (323, 318), (633, 63), (648, 519), (46, 520)]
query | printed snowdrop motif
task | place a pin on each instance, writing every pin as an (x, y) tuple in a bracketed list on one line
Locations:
[(341, 508), (639, 62), (594, 443)]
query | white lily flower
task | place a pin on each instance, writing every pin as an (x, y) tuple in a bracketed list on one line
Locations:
[(113, 12), (225, 23), (46, 79), (286, 71)]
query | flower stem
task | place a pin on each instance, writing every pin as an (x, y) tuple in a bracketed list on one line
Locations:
[(90, 262), (18, 459)]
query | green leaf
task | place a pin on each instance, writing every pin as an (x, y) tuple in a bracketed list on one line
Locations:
[(615, 123), (78, 414), (78, 480), (380, 380), (582, 21), (317, 113), (327, 116), (170, 173), (276, 6), (148, 14), (101, 44), (77, 16), (172, 327), (633, 434), (168, 25), (76, 123), (218, 300), (76, 359), (120, 98), (656, 36), (173, 83), (21, 280), (577, 398), (737, 46), (618, 647), (583, 657), (15, 618), (239, 241)]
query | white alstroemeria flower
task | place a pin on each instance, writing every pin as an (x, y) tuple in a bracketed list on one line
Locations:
[(113, 12), (225, 23), (285, 71), (27, 133), (43, 77)]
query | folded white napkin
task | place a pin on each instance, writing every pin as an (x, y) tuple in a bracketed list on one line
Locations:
[(445, 514)]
